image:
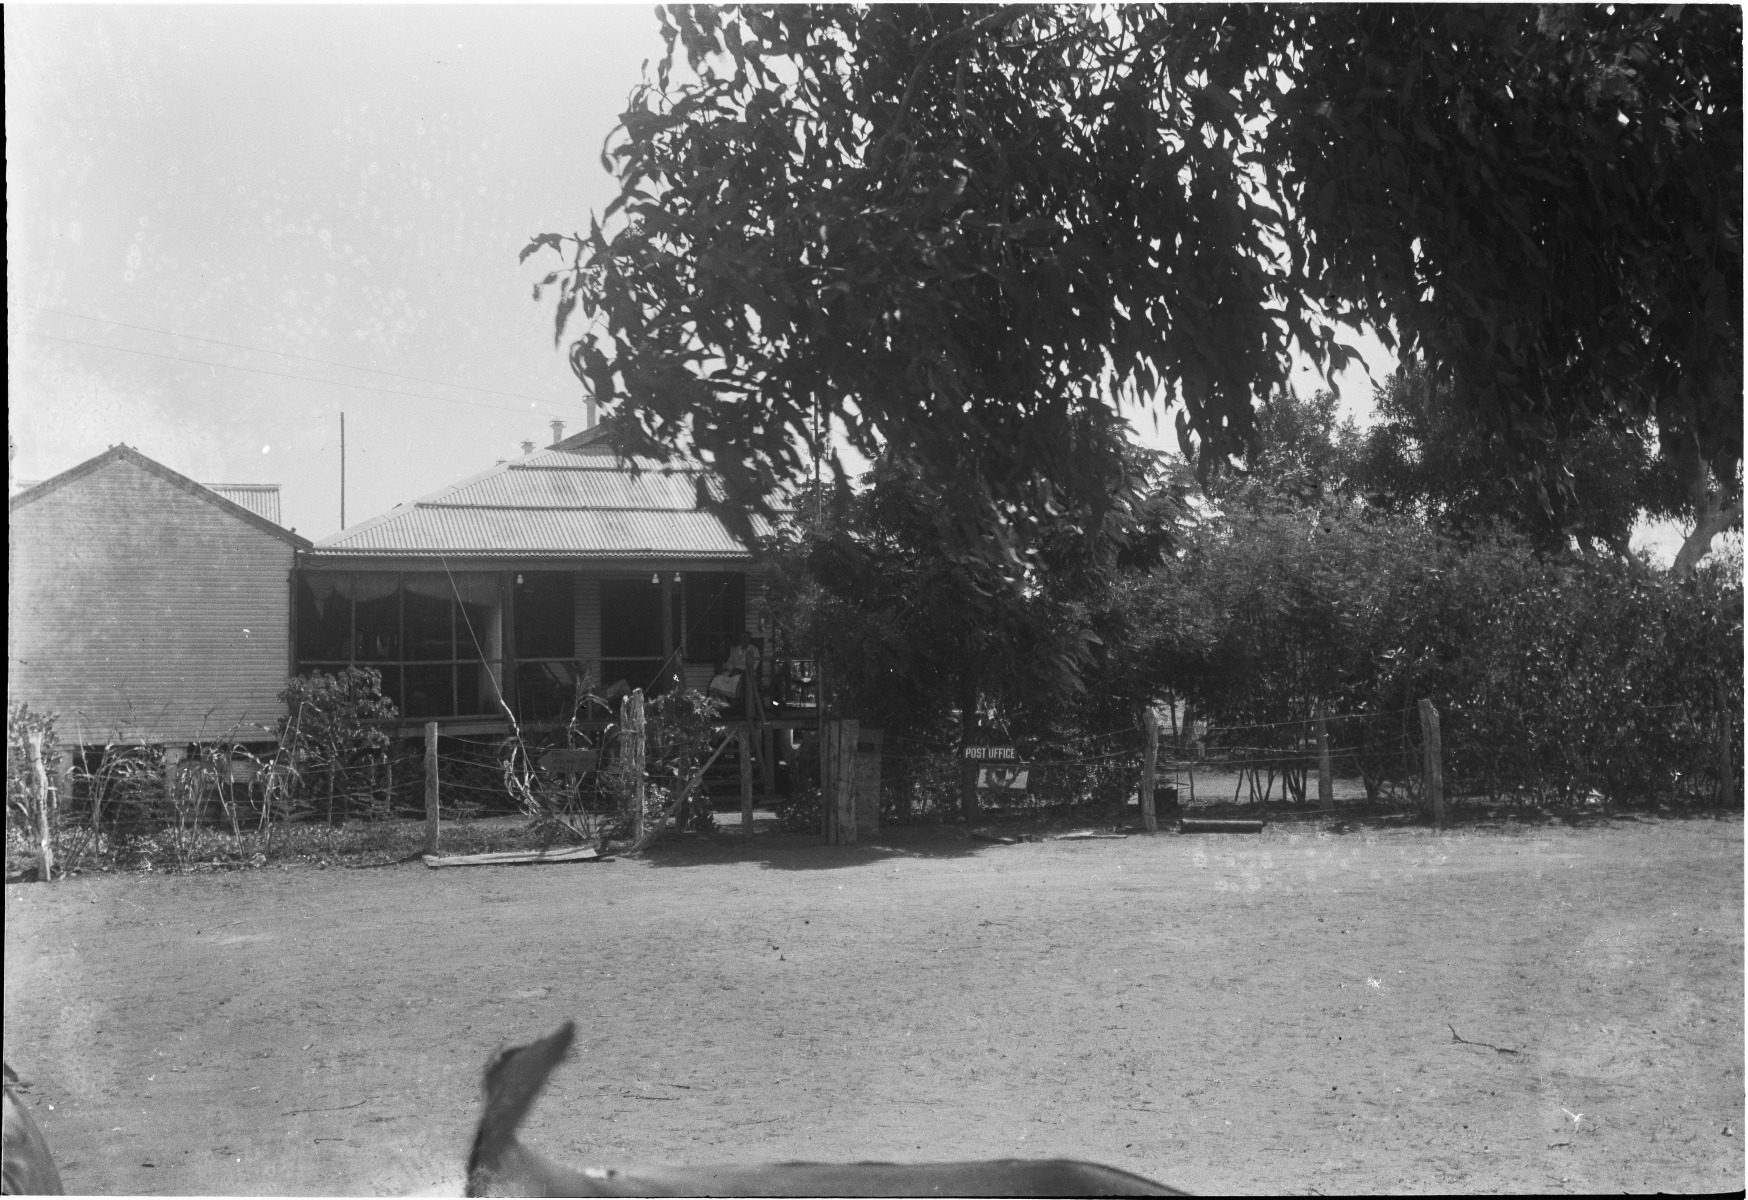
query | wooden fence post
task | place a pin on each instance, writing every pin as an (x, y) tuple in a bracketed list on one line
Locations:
[(44, 814), (1433, 770), (1148, 765), (828, 760), (632, 727), (682, 780), (431, 798), (841, 798), (744, 733), (1325, 781)]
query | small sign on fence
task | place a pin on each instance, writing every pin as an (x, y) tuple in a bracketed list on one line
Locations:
[(1003, 779), (568, 762)]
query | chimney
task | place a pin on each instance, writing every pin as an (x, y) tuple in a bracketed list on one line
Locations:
[(590, 403), (557, 432), (527, 448)]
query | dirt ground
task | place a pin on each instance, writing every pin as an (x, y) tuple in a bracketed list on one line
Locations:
[(1229, 1014)]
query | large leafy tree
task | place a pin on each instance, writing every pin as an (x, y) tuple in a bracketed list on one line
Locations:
[(1423, 456), (970, 232), (1302, 455), (917, 633)]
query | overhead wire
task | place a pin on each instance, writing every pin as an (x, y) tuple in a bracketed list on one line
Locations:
[(327, 362)]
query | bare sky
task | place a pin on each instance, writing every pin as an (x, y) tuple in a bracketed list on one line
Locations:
[(349, 184)]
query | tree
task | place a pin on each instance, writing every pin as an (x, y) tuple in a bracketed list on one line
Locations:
[(915, 633), (1302, 455), (970, 232), (1423, 457)]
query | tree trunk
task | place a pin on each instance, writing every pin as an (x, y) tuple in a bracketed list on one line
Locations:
[(1711, 515)]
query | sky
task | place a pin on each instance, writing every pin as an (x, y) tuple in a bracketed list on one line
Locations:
[(202, 201), (227, 226)]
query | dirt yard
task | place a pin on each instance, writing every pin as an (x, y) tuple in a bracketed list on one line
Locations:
[(1223, 1013)]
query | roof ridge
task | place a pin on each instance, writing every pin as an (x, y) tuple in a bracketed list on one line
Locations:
[(513, 507), (122, 452)]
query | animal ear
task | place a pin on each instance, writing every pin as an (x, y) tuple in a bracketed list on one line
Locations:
[(513, 1079)]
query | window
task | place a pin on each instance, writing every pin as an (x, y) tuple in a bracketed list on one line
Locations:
[(436, 637), (716, 607)]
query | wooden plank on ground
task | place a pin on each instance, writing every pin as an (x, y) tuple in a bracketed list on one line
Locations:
[(515, 857)]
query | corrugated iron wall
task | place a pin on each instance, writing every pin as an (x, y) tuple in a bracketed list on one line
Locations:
[(136, 607)]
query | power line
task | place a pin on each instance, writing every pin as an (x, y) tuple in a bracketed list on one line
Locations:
[(201, 362), (327, 362)]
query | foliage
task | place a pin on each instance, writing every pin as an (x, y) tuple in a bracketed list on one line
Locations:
[(21, 786), (1558, 676), (683, 729), (1301, 456), (800, 811), (30, 811), (1424, 456), (330, 725), (914, 631), (968, 233)]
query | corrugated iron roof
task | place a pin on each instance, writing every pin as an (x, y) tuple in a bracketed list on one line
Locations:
[(572, 500), (473, 532), (262, 499)]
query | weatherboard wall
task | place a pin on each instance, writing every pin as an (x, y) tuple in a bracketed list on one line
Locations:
[(138, 608)]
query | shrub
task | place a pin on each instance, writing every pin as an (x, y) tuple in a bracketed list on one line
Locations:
[(329, 728)]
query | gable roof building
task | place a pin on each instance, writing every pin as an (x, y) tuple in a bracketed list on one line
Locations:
[(145, 606)]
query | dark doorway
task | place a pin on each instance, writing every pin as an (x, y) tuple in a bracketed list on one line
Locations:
[(546, 623), (631, 631)]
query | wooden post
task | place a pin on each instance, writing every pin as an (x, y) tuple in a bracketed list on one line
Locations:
[(826, 822), (44, 814), (1325, 781), (682, 780), (431, 799), (172, 767), (746, 778), (1433, 769), (838, 797), (631, 723), (1148, 766)]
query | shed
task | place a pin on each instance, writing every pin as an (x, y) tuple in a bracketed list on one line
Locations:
[(146, 607)]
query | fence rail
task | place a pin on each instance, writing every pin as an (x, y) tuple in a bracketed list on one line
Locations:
[(1406, 760)]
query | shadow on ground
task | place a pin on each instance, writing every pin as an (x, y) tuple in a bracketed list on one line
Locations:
[(784, 850), (781, 850)]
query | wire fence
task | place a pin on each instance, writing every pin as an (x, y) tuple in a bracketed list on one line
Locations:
[(1377, 761)]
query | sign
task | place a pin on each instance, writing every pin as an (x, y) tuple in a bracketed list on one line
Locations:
[(568, 762), (990, 754), (1003, 779)]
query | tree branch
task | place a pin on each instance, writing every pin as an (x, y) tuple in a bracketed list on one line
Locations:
[(995, 20)]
